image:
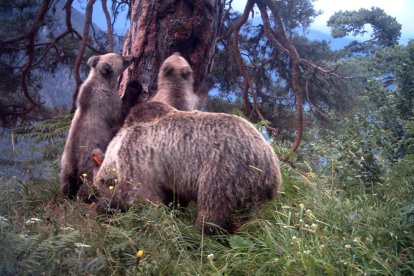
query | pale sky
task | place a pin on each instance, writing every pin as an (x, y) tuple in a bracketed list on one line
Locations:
[(402, 10)]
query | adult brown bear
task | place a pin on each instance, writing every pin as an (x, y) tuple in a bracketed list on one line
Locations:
[(218, 160)]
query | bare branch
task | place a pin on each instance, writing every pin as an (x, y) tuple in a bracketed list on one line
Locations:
[(108, 26), (23, 80), (246, 99), (68, 18), (83, 43), (236, 29), (324, 70), (26, 70), (69, 30), (96, 38), (30, 36), (317, 109), (290, 50)]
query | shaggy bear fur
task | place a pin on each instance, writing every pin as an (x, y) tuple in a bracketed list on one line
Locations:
[(163, 154), (175, 85), (218, 160), (98, 117)]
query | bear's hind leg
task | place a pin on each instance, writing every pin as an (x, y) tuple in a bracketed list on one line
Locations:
[(213, 216)]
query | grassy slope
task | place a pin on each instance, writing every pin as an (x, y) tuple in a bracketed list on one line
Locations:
[(311, 228)]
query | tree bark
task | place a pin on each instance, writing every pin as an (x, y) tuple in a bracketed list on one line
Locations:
[(162, 27)]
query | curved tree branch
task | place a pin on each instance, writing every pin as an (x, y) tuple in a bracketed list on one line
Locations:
[(69, 30), (35, 25), (83, 43), (247, 104), (317, 109), (290, 50), (108, 26), (30, 36), (236, 29)]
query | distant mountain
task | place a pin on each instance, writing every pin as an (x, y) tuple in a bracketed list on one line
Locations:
[(335, 43), (338, 43), (312, 34)]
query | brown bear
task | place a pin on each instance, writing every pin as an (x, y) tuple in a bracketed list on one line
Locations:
[(98, 117), (175, 85), (162, 154), (175, 88), (218, 160)]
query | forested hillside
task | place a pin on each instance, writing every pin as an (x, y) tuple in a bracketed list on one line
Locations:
[(341, 120)]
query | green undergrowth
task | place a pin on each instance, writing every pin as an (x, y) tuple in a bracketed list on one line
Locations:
[(311, 228)]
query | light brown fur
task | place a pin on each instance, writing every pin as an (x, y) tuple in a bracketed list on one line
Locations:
[(97, 118), (218, 160), (176, 85), (162, 154)]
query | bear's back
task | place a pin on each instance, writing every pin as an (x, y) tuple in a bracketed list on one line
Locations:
[(199, 143)]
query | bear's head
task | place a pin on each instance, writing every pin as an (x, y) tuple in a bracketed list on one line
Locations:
[(109, 66), (104, 174), (176, 69)]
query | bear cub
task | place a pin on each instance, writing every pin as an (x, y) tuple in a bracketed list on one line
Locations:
[(98, 117)]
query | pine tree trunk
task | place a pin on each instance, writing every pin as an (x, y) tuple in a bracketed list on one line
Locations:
[(162, 27)]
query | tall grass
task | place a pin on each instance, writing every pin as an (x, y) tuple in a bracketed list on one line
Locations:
[(311, 228)]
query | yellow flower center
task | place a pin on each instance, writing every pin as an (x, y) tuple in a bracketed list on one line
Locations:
[(140, 254)]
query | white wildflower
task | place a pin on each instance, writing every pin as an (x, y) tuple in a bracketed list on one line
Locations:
[(347, 246), (210, 256), (32, 221), (67, 228), (78, 244), (4, 222)]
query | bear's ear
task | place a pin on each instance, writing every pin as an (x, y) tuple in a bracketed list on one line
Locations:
[(92, 61), (176, 54), (105, 69), (127, 60), (168, 70)]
